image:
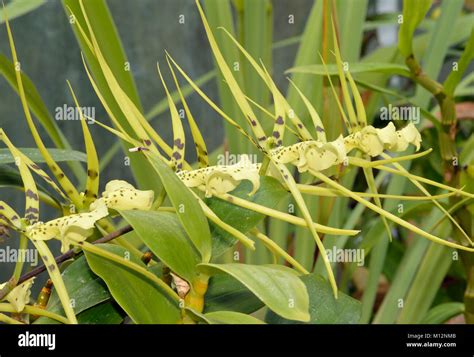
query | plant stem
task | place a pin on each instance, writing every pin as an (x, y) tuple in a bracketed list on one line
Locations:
[(33, 310), (283, 216), (8, 320), (195, 298), (56, 278), (20, 263), (279, 251), (71, 253)]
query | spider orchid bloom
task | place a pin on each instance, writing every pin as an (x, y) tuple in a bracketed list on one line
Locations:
[(311, 155), (20, 295), (69, 229), (220, 179), (405, 136), (120, 195), (373, 141)]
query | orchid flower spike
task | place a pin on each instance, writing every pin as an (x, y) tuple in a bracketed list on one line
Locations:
[(220, 179)]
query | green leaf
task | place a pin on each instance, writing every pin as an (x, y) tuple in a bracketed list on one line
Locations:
[(324, 309), (219, 14), (358, 67), (256, 36), (111, 48), (269, 194), (39, 109), (187, 208), (307, 54), (17, 8), (143, 301), (276, 286), (455, 76), (84, 287), (443, 312), (231, 317), (106, 313), (427, 282), (166, 238), (35, 155), (228, 294), (414, 12), (438, 44)]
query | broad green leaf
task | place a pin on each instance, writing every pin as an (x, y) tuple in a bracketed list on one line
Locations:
[(358, 67), (35, 155), (269, 194), (165, 237), (143, 301), (276, 286), (455, 76), (84, 287), (228, 294), (17, 8), (187, 208), (323, 307), (443, 312), (231, 317), (414, 12), (106, 313)]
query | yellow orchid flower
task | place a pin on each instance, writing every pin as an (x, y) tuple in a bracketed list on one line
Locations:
[(20, 295), (374, 141), (405, 136), (220, 179), (312, 154), (120, 195), (68, 229)]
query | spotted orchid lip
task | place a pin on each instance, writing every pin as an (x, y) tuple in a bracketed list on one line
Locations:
[(373, 141), (221, 179)]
